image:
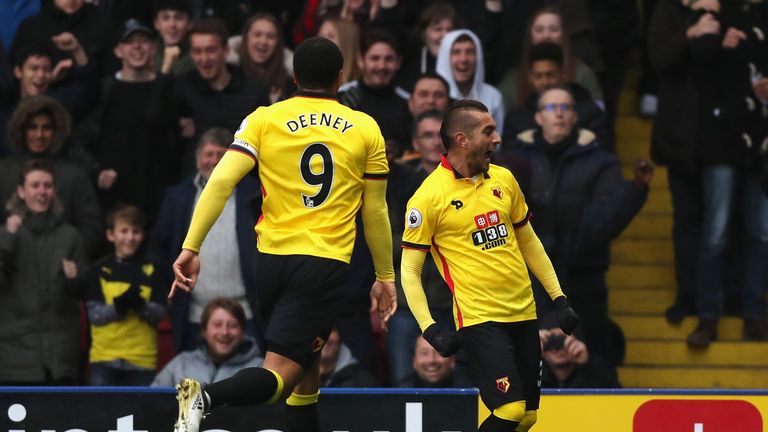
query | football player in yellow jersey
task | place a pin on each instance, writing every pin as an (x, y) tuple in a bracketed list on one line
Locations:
[(472, 216), (319, 164)]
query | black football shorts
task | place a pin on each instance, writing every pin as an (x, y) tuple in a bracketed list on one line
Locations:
[(300, 296), (504, 362)]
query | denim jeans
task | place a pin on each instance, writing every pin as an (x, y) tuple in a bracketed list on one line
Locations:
[(401, 337), (686, 232), (721, 186)]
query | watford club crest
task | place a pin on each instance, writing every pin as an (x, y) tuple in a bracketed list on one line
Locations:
[(502, 384), (317, 344), (497, 192)]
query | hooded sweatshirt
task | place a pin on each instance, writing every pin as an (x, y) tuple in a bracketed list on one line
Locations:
[(480, 91)]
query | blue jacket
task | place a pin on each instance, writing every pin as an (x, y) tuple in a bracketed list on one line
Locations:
[(170, 230)]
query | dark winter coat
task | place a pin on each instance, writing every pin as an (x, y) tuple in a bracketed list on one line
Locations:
[(580, 204), (702, 92), (40, 329)]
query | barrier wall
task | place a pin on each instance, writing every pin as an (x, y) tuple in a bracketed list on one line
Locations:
[(653, 410), (116, 409), (120, 409)]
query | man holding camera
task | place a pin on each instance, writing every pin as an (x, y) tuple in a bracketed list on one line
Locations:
[(569, 364)]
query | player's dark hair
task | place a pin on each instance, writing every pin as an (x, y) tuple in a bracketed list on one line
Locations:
[(130, 214), (229, 305), (214, 26), (455, 119), (546, 51), (34, 50), (374, 36), (317, 62), (428, 114)]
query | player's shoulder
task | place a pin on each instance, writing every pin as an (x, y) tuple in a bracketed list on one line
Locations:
[(501, 173), (364, 119), (433, 185)]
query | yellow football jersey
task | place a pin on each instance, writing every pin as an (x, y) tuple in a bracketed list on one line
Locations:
[(468, 224), (313, 155)]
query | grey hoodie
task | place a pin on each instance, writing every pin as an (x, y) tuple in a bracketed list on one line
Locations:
[(197, 364), (480, 91)]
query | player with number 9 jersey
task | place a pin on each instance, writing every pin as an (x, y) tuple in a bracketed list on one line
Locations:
[(320, 164), (314, 153)]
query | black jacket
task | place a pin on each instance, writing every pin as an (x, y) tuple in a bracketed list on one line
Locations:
[(191, 96), (580, 204), (702, 91)]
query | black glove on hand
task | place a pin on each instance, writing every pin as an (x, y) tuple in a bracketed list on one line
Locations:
[(566, 317), (446, 342), (130, 299)]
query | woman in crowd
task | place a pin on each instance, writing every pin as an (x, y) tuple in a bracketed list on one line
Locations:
[(263, 56), (346, 35), (547, 25)]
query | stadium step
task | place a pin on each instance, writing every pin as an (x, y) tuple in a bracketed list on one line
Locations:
[(642, 250), (640, 275), (649, 225), (659, 201), (641, 283), (631, 150), (675, 353), (686, 376), (639, 327), (633, 129), (659, 180), (653, 300)]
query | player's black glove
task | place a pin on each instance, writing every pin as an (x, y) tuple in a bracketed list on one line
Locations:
[(130, 299), (566, 317), (446, 342)]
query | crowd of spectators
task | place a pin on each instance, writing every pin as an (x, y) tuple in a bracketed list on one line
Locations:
[(114, 114)]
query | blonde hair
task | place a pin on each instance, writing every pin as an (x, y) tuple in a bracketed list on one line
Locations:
[(349, 44)]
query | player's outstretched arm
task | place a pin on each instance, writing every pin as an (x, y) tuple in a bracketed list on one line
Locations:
[(228, 172), (378, 236), (537, 260), (411, 266), (445, 341)]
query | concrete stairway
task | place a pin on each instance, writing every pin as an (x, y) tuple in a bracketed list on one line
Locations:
[(641, 286)]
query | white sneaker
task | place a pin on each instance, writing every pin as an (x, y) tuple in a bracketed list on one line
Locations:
[(189, 393)]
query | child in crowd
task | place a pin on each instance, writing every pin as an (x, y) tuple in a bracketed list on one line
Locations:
[(125, 303)]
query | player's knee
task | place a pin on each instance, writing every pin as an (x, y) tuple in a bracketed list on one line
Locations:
[(301, 399), (513, 411), (527, 422)]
